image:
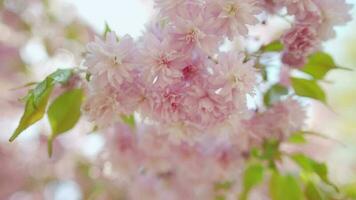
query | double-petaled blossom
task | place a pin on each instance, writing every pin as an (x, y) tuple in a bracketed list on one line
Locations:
[(182, 86), (333, 13), (112, 58), (170, 171), (301, 41), (278, 122), (237, 76), (233, 16), (314, 22), (192, 29), (160, 62)]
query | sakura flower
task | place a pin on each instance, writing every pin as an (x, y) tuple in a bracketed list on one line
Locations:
[(102, 107), (334, 13), (191, 29), (300, 8), (233, 16), (111, 58), (206, 108), (168, 6), (301, 41), (167, 105), (236, 75), (159, 60), (278, 122), (170, 171)]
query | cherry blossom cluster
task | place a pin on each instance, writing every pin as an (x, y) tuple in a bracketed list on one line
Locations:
[(313, 23), (145, 160), (189, 98), (176, 75)]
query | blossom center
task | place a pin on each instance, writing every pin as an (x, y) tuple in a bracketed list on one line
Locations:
[(117, 61), (234, 80), (191, 36), (163, 61), (231, 9)]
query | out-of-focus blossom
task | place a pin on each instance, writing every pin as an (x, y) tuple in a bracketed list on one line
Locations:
[(278, 122)]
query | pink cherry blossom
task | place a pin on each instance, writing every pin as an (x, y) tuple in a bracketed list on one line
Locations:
[(159, 60), (334, 13), (239, 76), (278, 122), (233, 16), (299, 8), (113, 58), (192, 29), (301, 41)]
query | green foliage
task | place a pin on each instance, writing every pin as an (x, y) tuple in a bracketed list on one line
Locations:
[(129, 120), (297, 138), (308, 88), (226, 185), (274, 94), (284, 187), (64, 113), (220, 197), (271, 151), (274, 46), (311, 166), (312, 192), (37, 99), (350, 190), (253, 176), (318, 65), (107, 29)]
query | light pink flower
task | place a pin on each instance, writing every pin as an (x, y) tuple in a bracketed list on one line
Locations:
[(236, 75), (102, 107), (106, 104), (112, 58), (278, 122), (233, 16), (300, 8), (334, 13), (192, 30), (205, 107), (301, 41), (167, 105), (159, 60), (167, 7)]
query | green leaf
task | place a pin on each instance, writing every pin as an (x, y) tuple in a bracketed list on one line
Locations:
[(274, 94), (220, 197), (312, 166), (297, 138), (107, 29), (253, 176), (35, 108), (226, 185), (274, 46), (61, 76), (350, 190), (312, 192), (129, 120), (308, 88), (284, 187), (64, 113), (271, 150), (318, 65), (25, 85), (37, 99)]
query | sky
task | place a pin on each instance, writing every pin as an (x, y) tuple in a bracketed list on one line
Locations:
[(123, 16)]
